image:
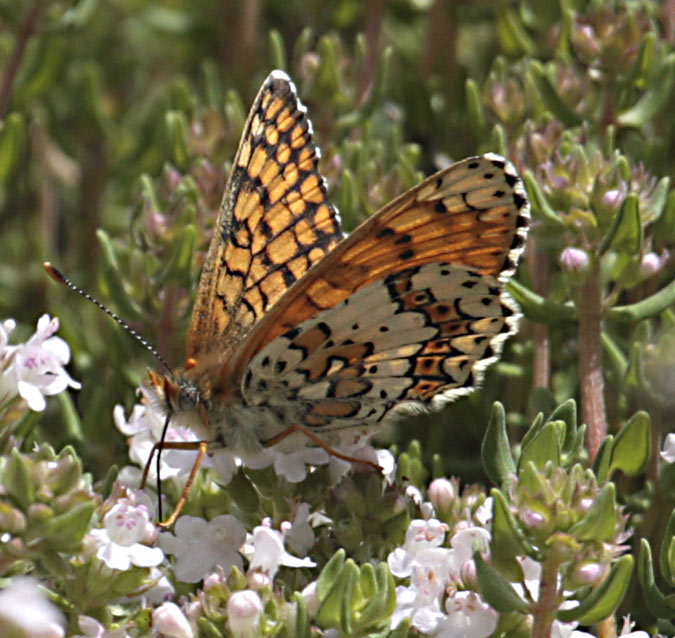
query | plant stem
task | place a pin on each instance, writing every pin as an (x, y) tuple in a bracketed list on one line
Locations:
[(25, 32), (547, 603), (591, 381)]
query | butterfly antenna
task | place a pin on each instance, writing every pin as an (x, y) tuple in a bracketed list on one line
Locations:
[(59, 277)]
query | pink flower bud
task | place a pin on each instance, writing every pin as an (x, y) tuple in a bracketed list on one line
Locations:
[(442, 494), (169, 620), (574, 260), (243, 613)]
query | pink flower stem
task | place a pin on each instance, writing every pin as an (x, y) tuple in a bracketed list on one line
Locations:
[(545, 608), (593, 412)]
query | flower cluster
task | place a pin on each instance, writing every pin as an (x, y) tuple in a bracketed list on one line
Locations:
[(34, 369)]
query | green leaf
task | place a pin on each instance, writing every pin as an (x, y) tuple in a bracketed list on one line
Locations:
[(71, 419), (496, 450), (602, 602), (497, 591), (599, 524), (631, 449), (664, 228), (512, 35), (13, 141), (474, 106), (177, 138), (17, 480), (656, 98), (64, 532), (665, 555), (566, 412), (657, 603), (179, 266), (540, 205), (539, 309), (603, 458), (544, 446), (302, 628), (550, 97), (508, 539), (626, 231), (647, 308), (329, 574), (113, 279), (277, 50)]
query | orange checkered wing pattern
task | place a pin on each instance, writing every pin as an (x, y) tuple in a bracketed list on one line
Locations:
[(275, 222), (409, 309)]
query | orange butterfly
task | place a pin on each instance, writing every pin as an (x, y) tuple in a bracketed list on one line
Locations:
[(298, 331)]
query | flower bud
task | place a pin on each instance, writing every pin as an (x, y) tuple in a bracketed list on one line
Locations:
[(442, 494), (574, 260), (244, 609), (168, 619)]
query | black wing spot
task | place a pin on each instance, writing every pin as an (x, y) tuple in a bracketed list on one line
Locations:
[(511, 180), (384, 329), (440, 207), (385, 232), (280, 366), (383, 394), (372, 369), (473, 164), (488, 175), (355, 326), (407, 254), (498, 163), (403, 239), (498, 193), (265, 362)]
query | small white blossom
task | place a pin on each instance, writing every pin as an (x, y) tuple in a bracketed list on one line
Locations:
[(25, 610), (91, 628), (300, 537), (266, 553), (34, 369), (468, 616), (126, 525), (169, 620), (292, 466), (200, 546), (668, 451), (244, 609), (144, 429)]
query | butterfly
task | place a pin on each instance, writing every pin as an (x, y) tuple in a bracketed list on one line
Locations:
[(298, 331)]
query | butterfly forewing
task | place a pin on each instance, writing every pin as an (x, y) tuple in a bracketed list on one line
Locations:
[(274, 223)]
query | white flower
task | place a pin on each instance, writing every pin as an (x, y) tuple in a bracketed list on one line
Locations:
[(25, 610), (266, 553), (668, 452), (244, 609), (34, 369), (91, 628), (200, 546), (421, 547), (144, 429), (465, 542), (127, 524), (421, 601), (300, 537), (468, 616), (169, 620), (293, 465), (627, 629)]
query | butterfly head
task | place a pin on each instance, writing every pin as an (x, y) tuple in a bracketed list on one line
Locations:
[(178, 397)]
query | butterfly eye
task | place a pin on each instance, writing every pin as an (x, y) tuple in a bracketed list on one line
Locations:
[(188, 397)]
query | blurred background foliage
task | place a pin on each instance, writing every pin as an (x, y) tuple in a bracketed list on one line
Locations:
[(120, 119)]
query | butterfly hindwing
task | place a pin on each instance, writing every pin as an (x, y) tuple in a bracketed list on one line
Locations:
[(275, 221), (474, 214)]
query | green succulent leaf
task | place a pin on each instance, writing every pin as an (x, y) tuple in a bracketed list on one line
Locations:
[(17, 479), (603, 458), (497, 591), (666, 557), (550, 97), (630, 451), (496, 450), (538, 308), (599, 524), (64, 533), (177, 138), (647, 308), (544, 446), (656, 98), (657, 602), (602, 602)]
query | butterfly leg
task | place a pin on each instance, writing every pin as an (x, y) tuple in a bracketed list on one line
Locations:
[(321, 443), (202, 448)]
